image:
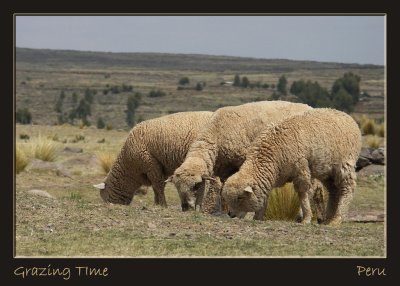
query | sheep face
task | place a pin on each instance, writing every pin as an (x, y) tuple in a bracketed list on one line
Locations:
[(240, 196), (113, 193), (189, 182), (188, 187)]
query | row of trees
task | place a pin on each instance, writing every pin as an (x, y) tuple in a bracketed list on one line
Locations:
[(343, 95)]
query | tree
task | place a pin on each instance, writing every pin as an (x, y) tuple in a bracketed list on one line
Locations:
[(74, 98), (100, 123), (245, 82), (281, 86), (59, 104), (133, 103), (311, 93), (350, 83), (236, 80), (183, 81), (342, 100), (23, 116), (89, 96), (199, 86), (83, 111)]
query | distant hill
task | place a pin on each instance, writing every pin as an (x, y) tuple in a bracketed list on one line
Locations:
[(174, 61)]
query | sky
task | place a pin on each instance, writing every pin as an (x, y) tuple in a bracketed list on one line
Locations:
[(344, 39)]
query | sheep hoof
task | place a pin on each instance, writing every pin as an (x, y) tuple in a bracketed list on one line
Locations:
[(334, 221)]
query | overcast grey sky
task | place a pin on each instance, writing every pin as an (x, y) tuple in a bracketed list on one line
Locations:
[(346, 39)]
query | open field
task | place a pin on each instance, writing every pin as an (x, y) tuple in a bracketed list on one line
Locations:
[(41, 75), (75, 221)]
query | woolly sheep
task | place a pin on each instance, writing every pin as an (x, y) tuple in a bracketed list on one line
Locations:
[(151, 153), (321, 144), (221, 146)]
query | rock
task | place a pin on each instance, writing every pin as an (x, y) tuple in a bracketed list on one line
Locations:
[(44, 166), (73, 149), (378, 156), (151, 225), (372, 170), (40, 193), (362, 162)]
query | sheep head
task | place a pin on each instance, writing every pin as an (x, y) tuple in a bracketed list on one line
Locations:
[(189, 181), (241, 196)]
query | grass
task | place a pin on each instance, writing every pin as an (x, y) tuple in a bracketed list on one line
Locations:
[(373, 142), (21, 160), (80, 219), (44, 149), (283, 204), (106, 160)]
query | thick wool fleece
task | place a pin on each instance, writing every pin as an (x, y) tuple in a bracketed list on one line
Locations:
[(221, 146), (151, 153), (321, 144)]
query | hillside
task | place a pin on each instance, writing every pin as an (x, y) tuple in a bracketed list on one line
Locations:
[(41, 75)]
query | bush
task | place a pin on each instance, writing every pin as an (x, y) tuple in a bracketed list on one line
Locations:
[(380, 130), (23, 116), (21, 160), (24, 136), (109, 126), (156, 93), (44, 149), (184, 81), (374, 142), (106, 160), (100, 123), (368, 127), (132, 104), (283, 204), (199, 86), (281, 86)]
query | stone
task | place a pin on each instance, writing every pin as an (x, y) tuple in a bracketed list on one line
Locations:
[(378, 156), (40, 193), (73, 149), (372, 170)]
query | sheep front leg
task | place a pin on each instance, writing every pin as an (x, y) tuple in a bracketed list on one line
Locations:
[(157, 179), (260, 214)]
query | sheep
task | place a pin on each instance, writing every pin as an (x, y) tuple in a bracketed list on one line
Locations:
[(151, 152), (321, 144), (221, 146)]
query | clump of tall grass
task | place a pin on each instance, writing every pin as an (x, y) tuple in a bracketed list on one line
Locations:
[(44, 149), (21, 159), (106, 160), (374, 142), (283, 204), (368, 127), (381, 130)]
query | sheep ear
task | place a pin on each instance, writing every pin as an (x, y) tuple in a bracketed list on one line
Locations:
[(100, 186), (205, 177), (248, 190)]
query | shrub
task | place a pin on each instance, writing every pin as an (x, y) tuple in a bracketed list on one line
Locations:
[(156, 93), (109, 126), (100, 123), (374, 142), (106, 160), (199, 86), (101, 140), (23, 136), (283, 204), (44, 149), (368, 127), (23, 116), (21, 160), (184, 80), (380, 130)]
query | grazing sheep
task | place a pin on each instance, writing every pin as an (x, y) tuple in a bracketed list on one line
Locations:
[(321, 144), (151, 153), (221, 146)]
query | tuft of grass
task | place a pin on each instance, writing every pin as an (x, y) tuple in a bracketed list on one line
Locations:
[(373, 142), (283, 204), (75, 196), (368, 127), (21, 160), (24, 136), (381, 130), (106, 160), (44, 149)]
